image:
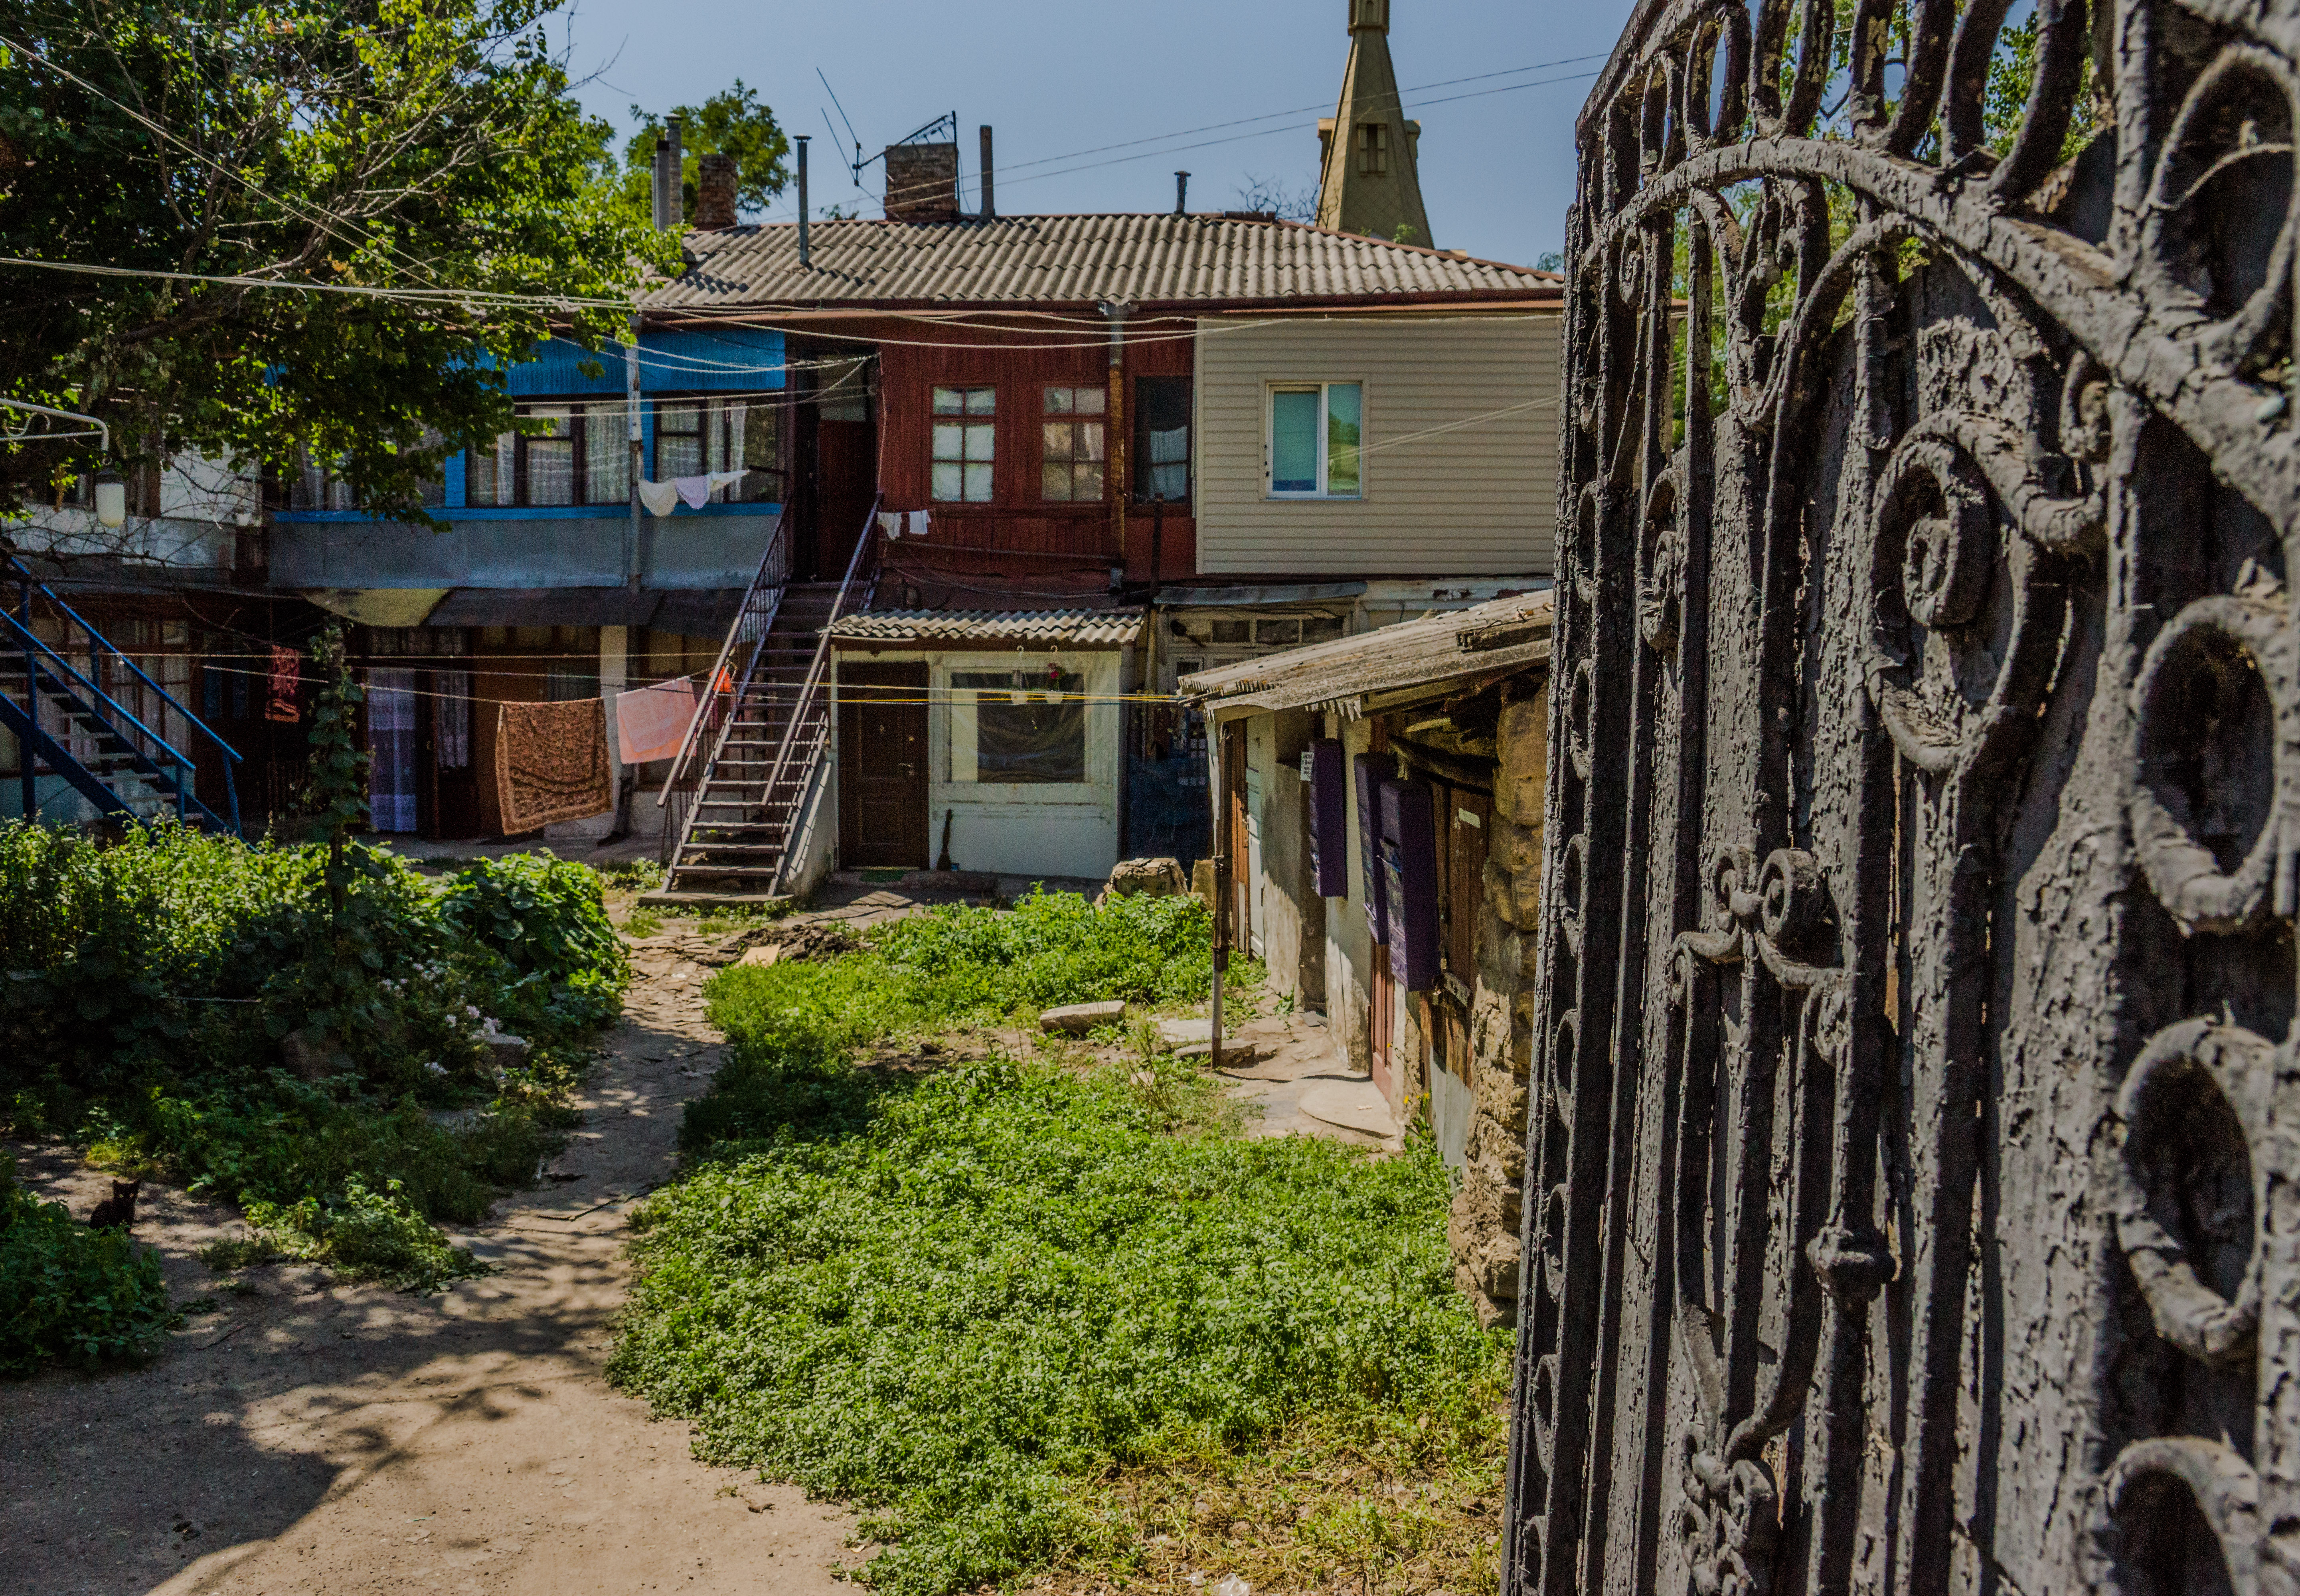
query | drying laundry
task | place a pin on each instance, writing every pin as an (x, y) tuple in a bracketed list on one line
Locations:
[(550, 763), (918, 523), (890, 522), (660, 498), (651, 722), (279, 701)]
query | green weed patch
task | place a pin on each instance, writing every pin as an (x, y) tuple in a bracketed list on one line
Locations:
[(977, 1302), (197, 1007), (70, 1294)]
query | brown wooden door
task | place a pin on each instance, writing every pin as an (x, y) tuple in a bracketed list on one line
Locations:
[(846, 473), (882, 765)]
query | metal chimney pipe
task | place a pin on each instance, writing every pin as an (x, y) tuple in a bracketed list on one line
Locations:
[(1181, 192), (989, 208), (802, 251)]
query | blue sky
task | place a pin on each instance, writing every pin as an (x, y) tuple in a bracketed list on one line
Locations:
[(1059, 80)]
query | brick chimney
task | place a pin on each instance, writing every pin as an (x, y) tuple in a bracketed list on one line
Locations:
[(922, 182), (714, 192)]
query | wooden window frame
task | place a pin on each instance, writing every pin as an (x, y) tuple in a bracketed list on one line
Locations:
[(1074, 465)]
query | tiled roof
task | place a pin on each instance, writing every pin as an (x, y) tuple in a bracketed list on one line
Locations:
[(1065, 628), (1149, 260)]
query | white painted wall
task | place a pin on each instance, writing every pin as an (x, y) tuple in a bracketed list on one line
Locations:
[(1019, 829)]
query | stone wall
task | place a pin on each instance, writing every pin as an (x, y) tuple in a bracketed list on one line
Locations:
[(1488, 1210)]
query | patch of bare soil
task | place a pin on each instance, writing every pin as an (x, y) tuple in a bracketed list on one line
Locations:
[(313, 1437)]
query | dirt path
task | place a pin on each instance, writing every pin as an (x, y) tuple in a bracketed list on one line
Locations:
[(320, 1438)]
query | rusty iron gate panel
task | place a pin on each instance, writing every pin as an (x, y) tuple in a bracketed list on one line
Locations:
[(1912, 1200)]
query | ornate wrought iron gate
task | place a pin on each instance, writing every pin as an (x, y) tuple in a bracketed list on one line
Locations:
[(1913, 1194)]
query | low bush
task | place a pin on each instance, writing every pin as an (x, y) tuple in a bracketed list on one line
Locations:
[(200, 1007), (968, 1301), (70, 1294), (366, 1234)]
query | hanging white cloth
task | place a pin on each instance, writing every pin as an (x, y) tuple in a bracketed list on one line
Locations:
[(918, 523), (660, 498), (695, 491), (890, 522)]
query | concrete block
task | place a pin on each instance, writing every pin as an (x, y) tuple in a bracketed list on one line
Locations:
[(1077, 1019), (1182, 1033)]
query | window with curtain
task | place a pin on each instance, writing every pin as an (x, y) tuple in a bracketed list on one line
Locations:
[(1019, 727), (965, 443), (1316, 440), (1162, 439), (606, 445), (584, 458), (1073, 444), (693, 436), (550, 456)]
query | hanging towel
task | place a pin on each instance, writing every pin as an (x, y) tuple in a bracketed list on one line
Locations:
[(660, 498), (651, 722), (890, 522), (694, 490), (720, 479), (287, 667), (918, 523), (550, 763)]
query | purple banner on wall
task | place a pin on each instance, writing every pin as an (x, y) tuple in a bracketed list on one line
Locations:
[(1329, 819), (1409, 856), (1371, 769)]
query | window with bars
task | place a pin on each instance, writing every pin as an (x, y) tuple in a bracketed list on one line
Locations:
[(694, 436), (1074, 447), (965, 443)]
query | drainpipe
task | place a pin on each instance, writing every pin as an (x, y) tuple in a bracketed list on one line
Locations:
[(1221, 807), (1118, 311), (631, 415), (802, 252)]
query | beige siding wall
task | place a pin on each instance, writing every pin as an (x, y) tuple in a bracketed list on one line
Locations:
[(1476, 500)]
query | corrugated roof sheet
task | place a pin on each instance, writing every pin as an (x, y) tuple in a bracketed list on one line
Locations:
[(1500, 635), (1149, 260), (1067, 628)]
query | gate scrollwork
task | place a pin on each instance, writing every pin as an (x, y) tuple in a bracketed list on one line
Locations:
[(1915, 1099)]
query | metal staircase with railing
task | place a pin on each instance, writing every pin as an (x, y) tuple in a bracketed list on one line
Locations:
[(767, 734), (66, 721)]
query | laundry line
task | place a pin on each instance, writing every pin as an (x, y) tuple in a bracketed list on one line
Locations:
[(927, 695)]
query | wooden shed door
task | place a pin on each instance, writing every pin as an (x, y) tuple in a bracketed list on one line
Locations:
[(882, 765)]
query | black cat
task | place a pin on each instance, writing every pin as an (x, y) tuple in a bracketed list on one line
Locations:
[(117, 1212)]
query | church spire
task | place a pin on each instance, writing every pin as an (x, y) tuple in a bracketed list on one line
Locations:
[(1369, 180)]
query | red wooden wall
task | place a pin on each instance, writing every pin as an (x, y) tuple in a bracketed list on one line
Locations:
[(1069, 545)]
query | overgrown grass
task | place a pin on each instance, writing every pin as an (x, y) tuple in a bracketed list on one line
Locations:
[(70, 1294), (980, 1302), (193, 1006)]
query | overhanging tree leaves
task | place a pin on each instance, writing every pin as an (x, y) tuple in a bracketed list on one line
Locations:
[(422, 162), (734, 123)]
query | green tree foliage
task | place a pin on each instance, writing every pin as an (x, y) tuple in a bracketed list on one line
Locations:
[(735, 123), (427, 148)]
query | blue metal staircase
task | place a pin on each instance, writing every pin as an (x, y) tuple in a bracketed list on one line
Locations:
[(65, 721)]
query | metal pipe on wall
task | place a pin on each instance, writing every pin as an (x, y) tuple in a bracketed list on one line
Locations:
[(803, 250), (631, 408), (1219, 808)]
